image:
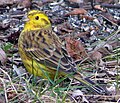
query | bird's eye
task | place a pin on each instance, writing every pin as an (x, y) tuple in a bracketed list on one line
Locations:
[(37, 17)]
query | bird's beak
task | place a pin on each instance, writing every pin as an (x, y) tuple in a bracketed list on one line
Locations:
[(25, 18)]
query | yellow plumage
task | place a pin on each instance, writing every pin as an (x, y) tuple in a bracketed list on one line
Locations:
[(42, 52)]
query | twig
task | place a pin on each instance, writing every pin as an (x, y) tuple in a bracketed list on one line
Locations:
[(4, 90), (111, 6), (9, 79)]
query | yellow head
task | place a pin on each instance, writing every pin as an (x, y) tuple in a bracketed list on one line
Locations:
[(37, 20)]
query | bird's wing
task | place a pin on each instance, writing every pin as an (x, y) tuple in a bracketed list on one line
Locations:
[(45, 47), (47, 50)]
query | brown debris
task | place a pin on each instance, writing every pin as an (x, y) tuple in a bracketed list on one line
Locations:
[(11, 94), (117, 6), (98, 7), (87, 17), (75, 49), (77, 11), (24, 3), (42, 2), (13, 37), (76, 1), (3, 56), (4, 25), (104, 1), (82, 34), (2, 98), (6, 2), (96, 55), (64, 28), (109, 18)]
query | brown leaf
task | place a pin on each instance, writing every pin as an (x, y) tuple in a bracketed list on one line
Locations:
[(96, 55), (105, 1), (82, 34), (10, 2), (76, 1), (24, 3), (64, 28), (109, 18), (11, 94), (104, 49), (3, 56), (98, 7), (2, 98), (75, 48), (42, 2), (112, 63), (13, 37), (77, 11), (115, 44), (80, 1), (87, 17), (6, 2), (4, 24)]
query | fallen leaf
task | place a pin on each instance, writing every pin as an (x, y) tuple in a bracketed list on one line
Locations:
[(76, 1), (24, 3), (64, 28), (3, 56), (4, 24), (13, 37), (104, 49), (87, 17), (11, 94), (115, 44), (6, 2), (2, 98), (109, 18), (75, 49), (79, 96), (82, 34), (105, 1), (98, 7), (77, 11), (112, 88), (42, 2), (96, 55)]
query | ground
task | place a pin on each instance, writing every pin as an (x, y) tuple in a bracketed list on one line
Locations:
[(90, 30)]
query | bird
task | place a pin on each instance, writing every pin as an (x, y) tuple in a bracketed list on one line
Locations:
[(43, 54)]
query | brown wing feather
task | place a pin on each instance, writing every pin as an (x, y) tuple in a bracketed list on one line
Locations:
[(45, 47)]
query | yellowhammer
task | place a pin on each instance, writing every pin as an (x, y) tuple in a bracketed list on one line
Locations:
[(43, 54)]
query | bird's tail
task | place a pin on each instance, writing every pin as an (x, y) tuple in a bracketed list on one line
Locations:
[(94, 86)]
